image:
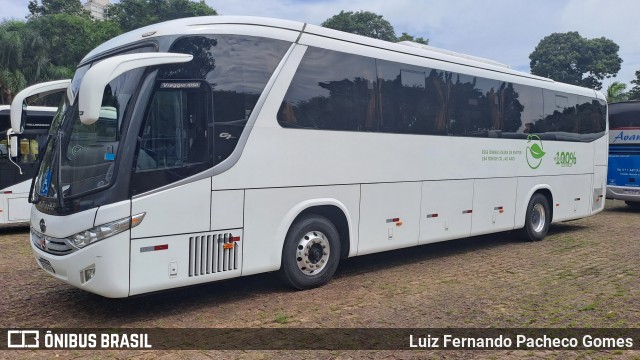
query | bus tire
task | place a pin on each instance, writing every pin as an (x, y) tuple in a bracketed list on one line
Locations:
[(538, 218), (311, 253), (633, 204)]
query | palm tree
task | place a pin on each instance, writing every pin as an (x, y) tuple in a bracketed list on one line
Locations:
[(11, 55), (615, 92), (11, 82)]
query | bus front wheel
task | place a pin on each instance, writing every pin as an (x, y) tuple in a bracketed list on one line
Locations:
[(311, 253), (537, 219)]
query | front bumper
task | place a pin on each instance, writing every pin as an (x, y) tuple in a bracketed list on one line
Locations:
[(109, 257)]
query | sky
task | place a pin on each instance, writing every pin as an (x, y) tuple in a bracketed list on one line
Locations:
[(503, 30)]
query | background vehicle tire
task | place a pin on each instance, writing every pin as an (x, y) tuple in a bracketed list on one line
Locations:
[(311, 253), (633, 204), (538, 218)]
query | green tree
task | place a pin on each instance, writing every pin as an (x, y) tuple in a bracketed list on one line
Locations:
[(615, 92), (47, 47), (362, 23), (50, 7), (634, 93), (570, 58), (76, 35), (134, 14), (407, 37), (12, 48)]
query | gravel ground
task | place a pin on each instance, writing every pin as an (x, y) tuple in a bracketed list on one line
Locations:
[(583, 275)]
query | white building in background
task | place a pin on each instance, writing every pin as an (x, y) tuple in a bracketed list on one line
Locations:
[(98, 8)]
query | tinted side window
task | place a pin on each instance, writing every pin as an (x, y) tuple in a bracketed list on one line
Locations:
[(174, 141), (560, 120), (591, 118), (237, 68), (332, 91), (411, 99), (520, 109), (472, 106), (337, 91)]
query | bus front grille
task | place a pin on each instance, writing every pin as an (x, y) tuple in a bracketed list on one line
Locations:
[(51, 245), (209, 254)]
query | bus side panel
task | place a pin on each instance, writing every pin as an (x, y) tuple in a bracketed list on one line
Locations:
[(180, 210), (494, 203), (167, 262), (571, 196), (574, 193), (445, 210), (14, 206), (599, 188), (390, 216), (18, 208), (227, 209), (601, 153), (269, 214)]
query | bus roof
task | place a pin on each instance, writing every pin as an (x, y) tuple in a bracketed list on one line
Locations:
[(197, 25)]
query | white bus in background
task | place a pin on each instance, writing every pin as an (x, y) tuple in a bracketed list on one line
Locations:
[(19, 152), (246, 145)]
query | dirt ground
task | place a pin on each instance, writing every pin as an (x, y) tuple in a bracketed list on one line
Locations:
[(583, 275)]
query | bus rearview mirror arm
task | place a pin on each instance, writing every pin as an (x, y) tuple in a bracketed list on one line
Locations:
[(42, 90), (12, 143), (99, 75)]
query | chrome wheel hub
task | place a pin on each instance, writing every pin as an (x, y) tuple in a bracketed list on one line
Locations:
[(312, 252), (538, 218)]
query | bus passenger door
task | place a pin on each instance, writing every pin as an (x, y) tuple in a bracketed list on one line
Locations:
[(174, 147)]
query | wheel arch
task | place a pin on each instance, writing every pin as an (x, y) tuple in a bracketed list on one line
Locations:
[(332, 209), (544, 189)]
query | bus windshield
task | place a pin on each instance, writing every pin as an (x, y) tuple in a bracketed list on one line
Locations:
[(86, 153)]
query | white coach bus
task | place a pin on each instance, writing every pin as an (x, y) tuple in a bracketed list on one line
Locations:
[(246, 145), (20, 151)]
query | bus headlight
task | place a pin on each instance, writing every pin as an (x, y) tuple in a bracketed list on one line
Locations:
[(104, 231)]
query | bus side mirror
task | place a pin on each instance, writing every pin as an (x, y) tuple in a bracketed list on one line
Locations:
[(99, 75), (13, 146), (18, 105)]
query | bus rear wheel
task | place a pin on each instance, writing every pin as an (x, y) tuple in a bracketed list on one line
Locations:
[(311, 253), (538, 218)]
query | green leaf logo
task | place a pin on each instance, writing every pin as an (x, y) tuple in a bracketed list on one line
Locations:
[(536, 151)]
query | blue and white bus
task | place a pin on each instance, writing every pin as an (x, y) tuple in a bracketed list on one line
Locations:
[(623, 180)]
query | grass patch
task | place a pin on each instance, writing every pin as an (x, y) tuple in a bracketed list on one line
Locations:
[(589, 307), (281, 319)]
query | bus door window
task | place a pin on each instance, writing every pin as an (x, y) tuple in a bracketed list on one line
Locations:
[(174, 141)]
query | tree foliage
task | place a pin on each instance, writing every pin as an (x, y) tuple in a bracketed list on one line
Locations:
[(407, 37), (134, 14), (634, 93), (368, 24), (46, 47), (615, 92), (570, 58), (363, 23), (51, 7)]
